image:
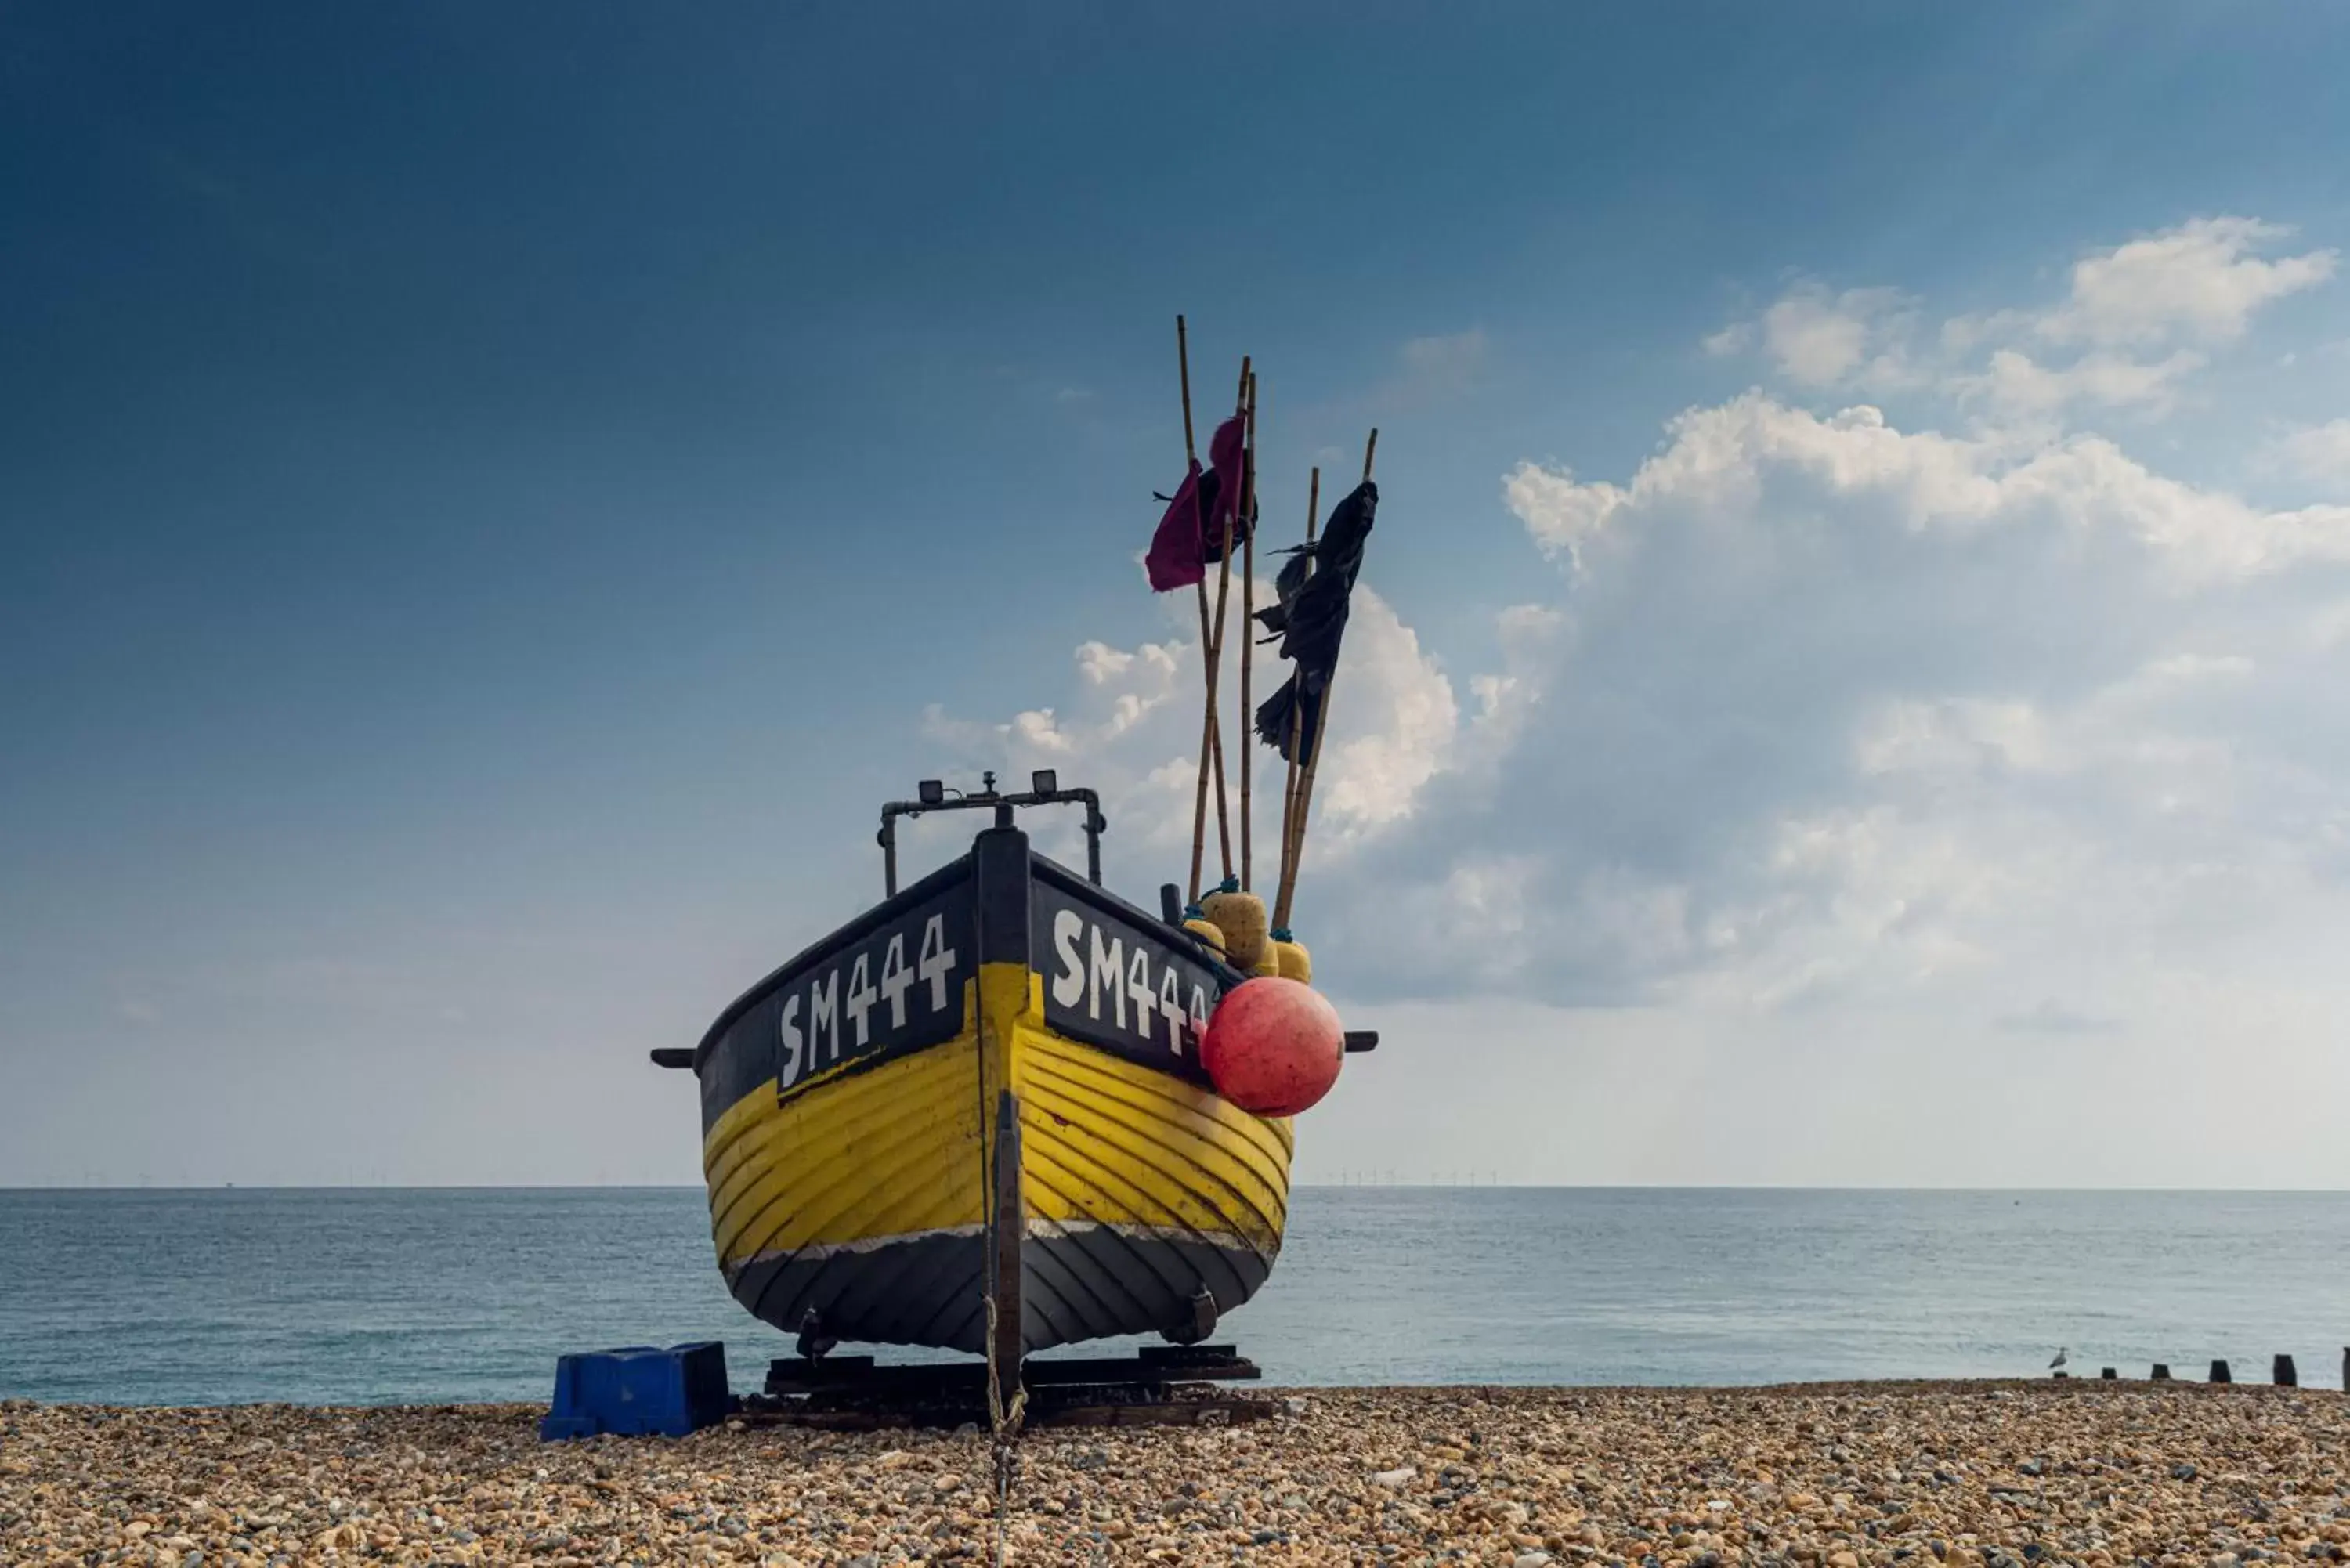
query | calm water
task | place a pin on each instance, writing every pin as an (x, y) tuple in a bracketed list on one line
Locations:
[(369, 1296)]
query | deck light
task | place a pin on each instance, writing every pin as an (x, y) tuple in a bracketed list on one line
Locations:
[(933, 792), (1044, 780)]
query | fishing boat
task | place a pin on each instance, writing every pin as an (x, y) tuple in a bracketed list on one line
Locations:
[(991, 1113), (984, 1091)]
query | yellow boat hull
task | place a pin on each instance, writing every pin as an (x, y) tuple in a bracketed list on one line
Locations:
[(856, 1102)]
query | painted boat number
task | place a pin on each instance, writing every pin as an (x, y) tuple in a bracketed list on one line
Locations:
[(824, 1015), (900, 988), (1107, 980)]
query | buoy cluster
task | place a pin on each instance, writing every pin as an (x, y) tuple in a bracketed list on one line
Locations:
[(1273, 1044), (1233, 924)]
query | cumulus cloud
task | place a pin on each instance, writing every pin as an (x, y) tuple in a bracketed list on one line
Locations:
[(1739, 453), (2138, 320), (1374, 769), (1838, 704), (1819, 338), (2014, 382), (1562, 515), (1132, 731), (1826, 710), (2200, 280)]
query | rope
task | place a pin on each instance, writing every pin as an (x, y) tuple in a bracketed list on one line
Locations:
[(1006, 1420), (1005, 1426)]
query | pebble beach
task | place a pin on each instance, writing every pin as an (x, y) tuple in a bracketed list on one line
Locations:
[(1826, 1476)]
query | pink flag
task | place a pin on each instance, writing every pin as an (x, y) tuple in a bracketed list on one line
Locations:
[(1191, 532), (1177, 558)]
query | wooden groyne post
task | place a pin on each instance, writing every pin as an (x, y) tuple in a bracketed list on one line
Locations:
[(2161, 1373), (2282, 1374), (2219, 1372)]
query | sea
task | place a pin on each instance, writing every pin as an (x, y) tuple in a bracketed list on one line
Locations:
[(436, 1295)]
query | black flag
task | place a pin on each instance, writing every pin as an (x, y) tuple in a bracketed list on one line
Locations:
[(1309, 616)]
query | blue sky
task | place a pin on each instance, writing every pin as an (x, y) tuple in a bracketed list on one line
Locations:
[(495, 499)]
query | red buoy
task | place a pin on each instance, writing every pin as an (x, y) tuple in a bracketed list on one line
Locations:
[(1272, 1046)]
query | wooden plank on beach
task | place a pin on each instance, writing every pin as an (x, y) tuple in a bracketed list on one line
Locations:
[(1155, 1367)]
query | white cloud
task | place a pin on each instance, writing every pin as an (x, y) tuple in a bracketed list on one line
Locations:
[(1507, 700), (1856, 338), (2200, 281), (2138, 321), (1957, 732), (2317, 452), (1373, 771), (1829, 711), (1830, 707), (1732, 456), (2013, 382), (1562, 515), (1133, 732)]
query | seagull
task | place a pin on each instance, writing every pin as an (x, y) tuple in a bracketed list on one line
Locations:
[(2060, 1357)]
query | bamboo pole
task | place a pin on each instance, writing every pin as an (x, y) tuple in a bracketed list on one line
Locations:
[(1190, 462), (1207, 748), (1210, 753), (1297, 731), (1184, 368), (1216, 656), (1321, 733), (1248, 629), (1211, 739)]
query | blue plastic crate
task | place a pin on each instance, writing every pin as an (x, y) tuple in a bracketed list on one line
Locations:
[(638, 1391)]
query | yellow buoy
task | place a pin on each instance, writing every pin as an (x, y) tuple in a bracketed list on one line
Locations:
[(1296, 962), (1199, 926), (1241, 917)]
